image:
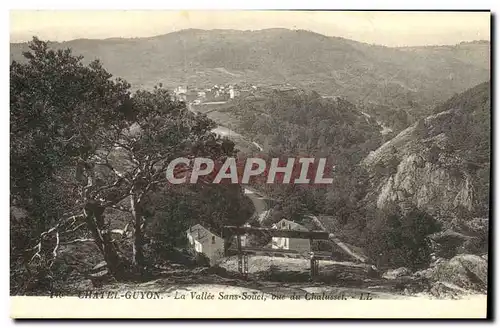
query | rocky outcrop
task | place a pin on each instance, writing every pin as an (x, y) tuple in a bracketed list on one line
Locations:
[(472, 238), (417, 169), (463, 274), (441, 163), (464, 270), (440, 166)]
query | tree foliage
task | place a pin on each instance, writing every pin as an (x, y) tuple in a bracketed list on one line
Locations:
[(82, 145), (400, 238), (300, 123)]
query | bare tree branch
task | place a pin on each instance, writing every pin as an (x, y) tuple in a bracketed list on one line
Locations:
[(54, 252), (55, 228), (78, 240), (76, 228)]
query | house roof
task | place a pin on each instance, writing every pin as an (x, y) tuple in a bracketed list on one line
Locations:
[(309, 223), (331, 223), (201, 231), (288, 223)]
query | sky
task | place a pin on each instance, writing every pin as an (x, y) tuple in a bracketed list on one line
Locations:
[(383, 28)]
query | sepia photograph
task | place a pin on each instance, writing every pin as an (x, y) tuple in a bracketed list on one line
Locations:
[(250, 164)]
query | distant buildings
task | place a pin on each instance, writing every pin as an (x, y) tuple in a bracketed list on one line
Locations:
[(213, 93), (233, 93), (180, 93), (180, 90), (184, 93)]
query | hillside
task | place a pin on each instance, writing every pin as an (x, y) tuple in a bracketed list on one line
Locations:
[(329, 65), (302, 122), (440, 165), (470, 53)]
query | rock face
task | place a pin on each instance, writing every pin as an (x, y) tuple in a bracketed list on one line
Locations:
[(415, 168), (440, 165)]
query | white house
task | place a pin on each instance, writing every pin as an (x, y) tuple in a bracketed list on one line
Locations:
[(233, 93), (298, 244), (180, 90), (206, 242)]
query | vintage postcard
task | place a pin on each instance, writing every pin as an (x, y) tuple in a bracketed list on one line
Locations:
[(249, 164)]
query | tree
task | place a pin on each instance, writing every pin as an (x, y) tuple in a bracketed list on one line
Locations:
[(61, 111), (398, 239), (162, 130), (77, 134)]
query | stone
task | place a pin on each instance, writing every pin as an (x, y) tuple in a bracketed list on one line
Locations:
[(396, 273)]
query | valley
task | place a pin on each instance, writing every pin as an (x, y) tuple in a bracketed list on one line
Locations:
[(407, 131)]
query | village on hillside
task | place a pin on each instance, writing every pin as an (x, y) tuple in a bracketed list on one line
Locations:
[(224, 92)]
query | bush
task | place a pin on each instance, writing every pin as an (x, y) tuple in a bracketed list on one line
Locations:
[(202, 260), (401, 240)]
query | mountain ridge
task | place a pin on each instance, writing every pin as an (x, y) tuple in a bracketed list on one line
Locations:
[(480, 41), (330, 65)]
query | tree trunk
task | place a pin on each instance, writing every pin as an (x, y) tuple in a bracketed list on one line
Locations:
[(116, 264), (138, 233)]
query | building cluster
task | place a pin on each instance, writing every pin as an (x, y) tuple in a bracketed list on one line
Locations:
[(213, 93), (210, 244)]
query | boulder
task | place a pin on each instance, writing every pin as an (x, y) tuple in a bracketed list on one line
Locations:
[(465, 271), (448, 242), (396, 273), (445, 290)]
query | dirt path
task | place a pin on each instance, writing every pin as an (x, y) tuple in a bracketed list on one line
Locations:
[(167, 288)]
